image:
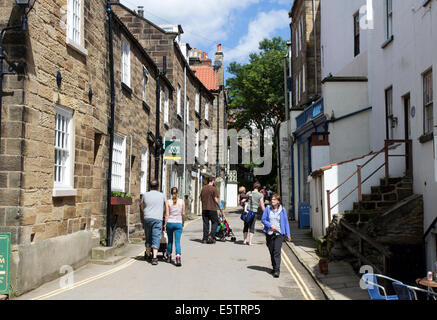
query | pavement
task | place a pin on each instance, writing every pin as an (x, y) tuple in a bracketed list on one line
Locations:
[(222, 271), (341, 282)]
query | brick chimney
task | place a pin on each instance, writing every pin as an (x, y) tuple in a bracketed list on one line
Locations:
[(219, 63), (141, 11)]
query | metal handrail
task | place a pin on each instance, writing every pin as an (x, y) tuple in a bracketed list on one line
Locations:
[(387, 146)]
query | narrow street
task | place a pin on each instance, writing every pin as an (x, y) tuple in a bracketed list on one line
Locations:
[(222, 271)]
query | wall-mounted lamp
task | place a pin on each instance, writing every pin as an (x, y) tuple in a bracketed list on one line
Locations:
[(58, 78), (394, 122)]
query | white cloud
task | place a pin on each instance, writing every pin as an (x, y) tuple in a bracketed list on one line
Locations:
[(263, 26), (205, 22)]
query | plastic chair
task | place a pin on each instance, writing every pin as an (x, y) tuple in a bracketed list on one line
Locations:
[(370, 280), (405, 292)]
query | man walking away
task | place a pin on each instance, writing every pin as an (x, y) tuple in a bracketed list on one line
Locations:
[(154, 205), (210, 202)]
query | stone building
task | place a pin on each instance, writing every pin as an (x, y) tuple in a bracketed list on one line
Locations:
[(135, 79), (54, 124), (192, 98), (212, 77), (305, 35)]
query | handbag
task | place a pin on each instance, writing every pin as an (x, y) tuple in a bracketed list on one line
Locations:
[(247, 217)]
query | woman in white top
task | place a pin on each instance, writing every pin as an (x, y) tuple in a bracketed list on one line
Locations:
[(174, 223)]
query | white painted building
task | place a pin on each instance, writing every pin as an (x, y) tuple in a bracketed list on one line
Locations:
[(402, 60), (342, 129)]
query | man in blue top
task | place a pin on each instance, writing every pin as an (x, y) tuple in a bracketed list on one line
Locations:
[(276, 226)]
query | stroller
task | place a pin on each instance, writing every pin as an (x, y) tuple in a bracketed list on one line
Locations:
[(224, 231)]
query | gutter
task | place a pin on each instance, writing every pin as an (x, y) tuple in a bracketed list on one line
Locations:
[(110, 125), (349, 115)]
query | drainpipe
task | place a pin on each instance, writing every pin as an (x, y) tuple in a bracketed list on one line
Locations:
[(110, 125), (316, 76), (130, 179), (218, 135), (159, 143), (185, 132)]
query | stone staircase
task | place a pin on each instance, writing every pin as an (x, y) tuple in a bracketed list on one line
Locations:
[(382, 198), (389, 217)]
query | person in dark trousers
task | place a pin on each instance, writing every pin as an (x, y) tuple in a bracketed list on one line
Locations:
[(254, 204), (210, 203), (153, 205), (276, 228)]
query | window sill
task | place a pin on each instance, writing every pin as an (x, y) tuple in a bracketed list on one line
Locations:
[(76, 47), (387, 42), (207, 123), (64, 193), (146, 107), (197, 114), (166, 125), (426, 137), (124, 86), (179, 117)]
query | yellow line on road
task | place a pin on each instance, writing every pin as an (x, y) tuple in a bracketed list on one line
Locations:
[(297, 277), (99, 276)]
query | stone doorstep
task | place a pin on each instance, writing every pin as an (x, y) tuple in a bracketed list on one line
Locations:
[(108, 261), (102, 253), (3, 297)]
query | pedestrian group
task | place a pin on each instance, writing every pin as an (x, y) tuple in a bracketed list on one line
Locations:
[(167, 217)]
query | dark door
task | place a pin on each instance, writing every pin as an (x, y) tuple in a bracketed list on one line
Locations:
[(407, 126)]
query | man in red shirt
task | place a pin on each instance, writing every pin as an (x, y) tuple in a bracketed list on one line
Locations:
[(210, 203)]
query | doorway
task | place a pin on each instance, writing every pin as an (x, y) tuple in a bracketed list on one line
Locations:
[(407, 133)]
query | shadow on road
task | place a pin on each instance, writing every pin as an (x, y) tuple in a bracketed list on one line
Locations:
[(258, 268)]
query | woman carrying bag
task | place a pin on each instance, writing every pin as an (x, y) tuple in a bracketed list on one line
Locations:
[(249, 215), (275, 220)]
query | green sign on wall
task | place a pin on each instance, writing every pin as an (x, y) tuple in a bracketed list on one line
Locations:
[(5, 254), (172, 149)]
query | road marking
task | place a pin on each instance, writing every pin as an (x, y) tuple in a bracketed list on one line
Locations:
[(295, 280), (297, 276), (97, 277)]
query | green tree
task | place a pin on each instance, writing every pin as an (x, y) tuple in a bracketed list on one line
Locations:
[(256, 94), (256, 90)]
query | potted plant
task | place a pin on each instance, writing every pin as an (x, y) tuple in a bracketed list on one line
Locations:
[(121, 198)]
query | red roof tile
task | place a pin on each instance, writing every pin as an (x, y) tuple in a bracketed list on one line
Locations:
[(208, 76)]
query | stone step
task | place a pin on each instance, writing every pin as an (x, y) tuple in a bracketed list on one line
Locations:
[(385, 204), (109, 261), (391, 196), (391, 181), (404, 193), (405, 185), (102, 253), (382, 189), (372, 197)]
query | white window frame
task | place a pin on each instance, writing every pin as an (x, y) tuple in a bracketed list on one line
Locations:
[(125, 62), (166, 106), (428, 106), (64, 150), (74, 35), (303, 79), (196, 103), (178, 105), (145, 80), (389, 18), (205, 155), (118, 163), (144, 170), (188, 111), (196, 146), (206, 110)]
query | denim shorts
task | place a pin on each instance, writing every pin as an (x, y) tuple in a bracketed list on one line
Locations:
[(153, 230)]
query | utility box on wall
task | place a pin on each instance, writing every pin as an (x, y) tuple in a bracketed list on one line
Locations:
[(5, 254)]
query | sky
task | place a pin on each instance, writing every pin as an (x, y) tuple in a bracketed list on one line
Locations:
[(239, 25)]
